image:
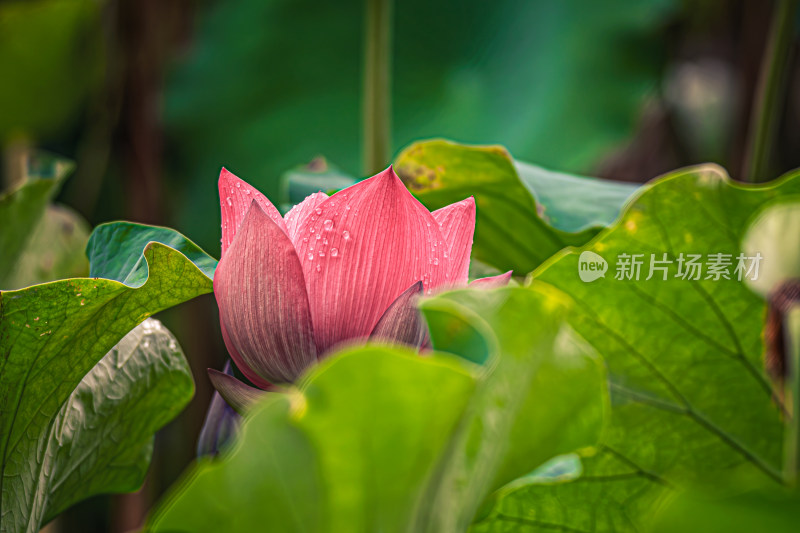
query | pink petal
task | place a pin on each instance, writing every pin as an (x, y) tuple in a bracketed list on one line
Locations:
[(402, 322), (367, 244), (492, 282), (297, 215), (235, 196), (257, 380), (262, 301), (458, 227), (234, 392)]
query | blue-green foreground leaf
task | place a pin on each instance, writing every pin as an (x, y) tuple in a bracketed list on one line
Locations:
[(542, 393), (350, 450), (382, 439)]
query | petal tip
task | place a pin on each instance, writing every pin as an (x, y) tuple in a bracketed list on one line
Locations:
[(389, 173), (492, 282), (235, 393), (469, 202), (254, 210), (224, 174)]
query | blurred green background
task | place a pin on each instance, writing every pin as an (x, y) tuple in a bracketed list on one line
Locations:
[(151, 97)]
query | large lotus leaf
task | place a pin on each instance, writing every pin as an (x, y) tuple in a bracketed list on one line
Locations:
[(558, 83), (52, 335), (101, 437), (351, 450), (543, 393), (691, 403), (21, 209), (513, 231), (775, 511)]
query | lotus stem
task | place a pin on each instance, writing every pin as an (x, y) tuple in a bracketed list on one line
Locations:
[(764, 115), (377, 86), (15, 160)]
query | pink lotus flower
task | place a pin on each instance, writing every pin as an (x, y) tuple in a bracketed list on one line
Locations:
[(334, 269)]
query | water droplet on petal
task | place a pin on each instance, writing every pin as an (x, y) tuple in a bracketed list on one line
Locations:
[(310, 256), (238, 185), (321, 253), (319, 267), (334, 252), (228, 199), (318, 210), (346, 235), (312, 230), (305, 239), (435, 260), (328, 225), (247, 191), (319, 236)]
